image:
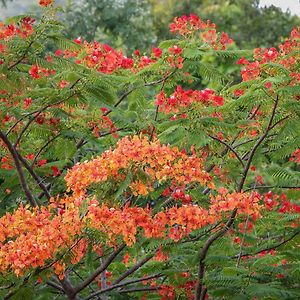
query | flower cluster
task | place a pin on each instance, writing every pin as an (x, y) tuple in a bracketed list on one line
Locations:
[(159, 162), (101, 57), (189, 25), (245, 203), (295, 156), (7, 32), (45, 3), (104, 123), (175, 59), (286, 55), (36, 72), (28, 238), (184, 98), (173, 223)]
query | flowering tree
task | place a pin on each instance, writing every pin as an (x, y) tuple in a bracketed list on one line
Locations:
[(122, 178)]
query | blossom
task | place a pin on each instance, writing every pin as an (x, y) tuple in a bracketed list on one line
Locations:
[(184, 98), (45, 3), (159, 162)]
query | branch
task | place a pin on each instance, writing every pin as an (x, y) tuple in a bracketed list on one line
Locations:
[(19, 169), (199, 286), (99, 270), (229, 147), (36, 177), (42, 148), (54, 285), (22, 57), (115, 286), (133, 269), (141, 289), (257, 144), (273, 187), (68, 288), (37, 113), (123, 96), (200, 291), (271, 247)]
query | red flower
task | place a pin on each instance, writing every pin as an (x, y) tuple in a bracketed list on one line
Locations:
[(137, 52), (45, 3), (56, 171), (268, 85), (42, 162), (63, 84), (104, 110), (157, 52), (58, 52), (78, 40), (30, 156), (238, 93), (34, 72)]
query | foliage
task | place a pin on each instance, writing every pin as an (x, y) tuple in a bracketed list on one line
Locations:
[(126, 178)]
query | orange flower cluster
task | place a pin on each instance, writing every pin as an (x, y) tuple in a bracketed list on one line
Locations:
[(159, 162), (173, 223), (245, 203), (30, 237), (126, 222)]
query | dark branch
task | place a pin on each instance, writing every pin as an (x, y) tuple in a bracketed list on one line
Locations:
[(99, 270), (229, 147), (19, 169)]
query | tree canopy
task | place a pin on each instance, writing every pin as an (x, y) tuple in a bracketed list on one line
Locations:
[(161, 174)]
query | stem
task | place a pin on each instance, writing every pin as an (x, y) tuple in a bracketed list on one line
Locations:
[(99, 270), (19, 169), (257, 144), (271, 247), (115, 286), (133, 269), (229, 147), (36, 177)]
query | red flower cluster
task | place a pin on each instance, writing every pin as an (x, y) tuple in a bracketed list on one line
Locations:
[(183, 99), (296, 156), (105, 123), (45, 3), (10, 31), (286, 56), (102, 57), (36, 72), (282, 204), (175, 59), (189, 25)]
